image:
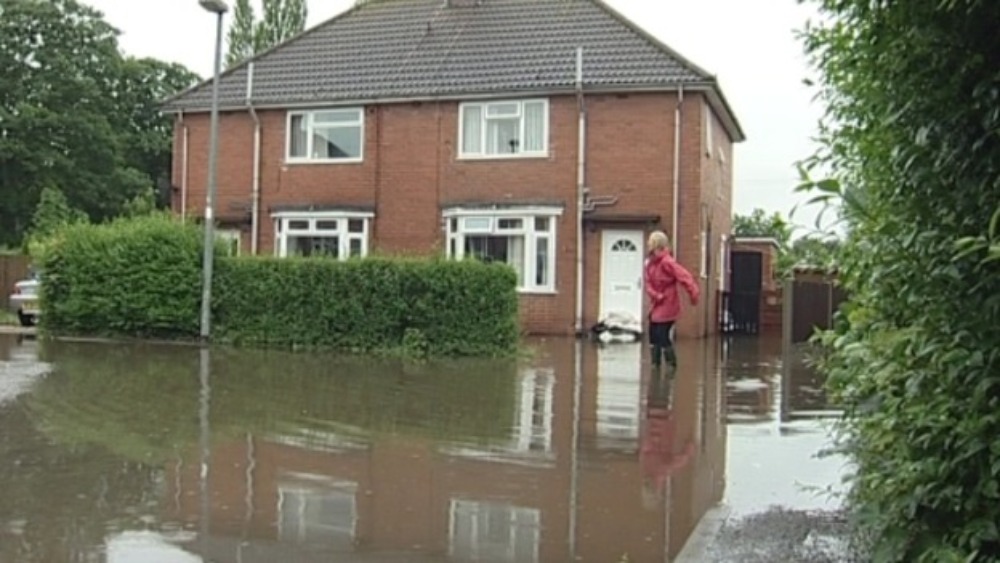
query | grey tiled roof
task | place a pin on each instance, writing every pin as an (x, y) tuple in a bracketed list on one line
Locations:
[(398, 49)]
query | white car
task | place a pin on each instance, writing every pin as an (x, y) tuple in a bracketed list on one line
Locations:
[(24, 301)]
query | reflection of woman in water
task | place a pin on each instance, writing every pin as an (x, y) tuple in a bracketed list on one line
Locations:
[(658, 455)]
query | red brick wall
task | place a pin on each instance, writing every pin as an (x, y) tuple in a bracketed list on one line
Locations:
[(411, 169), (630, 147)]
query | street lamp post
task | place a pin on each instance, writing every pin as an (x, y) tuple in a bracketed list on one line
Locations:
[(219, 8)]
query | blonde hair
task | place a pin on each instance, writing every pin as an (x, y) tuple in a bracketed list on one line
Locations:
[(658, 240)]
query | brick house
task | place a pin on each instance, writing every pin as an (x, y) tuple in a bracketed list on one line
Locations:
[(549, 134)]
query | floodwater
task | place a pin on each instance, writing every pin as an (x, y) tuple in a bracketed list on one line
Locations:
[(145, 453)]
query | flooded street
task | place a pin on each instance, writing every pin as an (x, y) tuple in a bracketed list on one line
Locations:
[(143, 453)]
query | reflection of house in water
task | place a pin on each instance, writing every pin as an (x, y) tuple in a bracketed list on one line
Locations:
[(530, 440), (565, 483), (753, 378)]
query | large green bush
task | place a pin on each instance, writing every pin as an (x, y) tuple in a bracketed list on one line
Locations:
[(136, 277), (142, 277), (913, 90)]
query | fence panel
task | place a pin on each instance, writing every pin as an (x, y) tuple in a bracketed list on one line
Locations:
[(13, 268)]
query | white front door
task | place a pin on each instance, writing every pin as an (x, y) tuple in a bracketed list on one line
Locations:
[(621, 274)]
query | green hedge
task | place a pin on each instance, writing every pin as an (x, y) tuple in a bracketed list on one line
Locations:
[(142, 277), (136, 277), (913, 102)]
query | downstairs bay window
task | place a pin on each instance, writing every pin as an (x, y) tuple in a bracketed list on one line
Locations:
[(522, 239), (336, 234)]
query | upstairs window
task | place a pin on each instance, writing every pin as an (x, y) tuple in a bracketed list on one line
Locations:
[(504, 129), (333, 135)]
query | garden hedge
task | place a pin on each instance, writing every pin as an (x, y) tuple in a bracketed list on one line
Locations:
[(912, 138), (142, 277)]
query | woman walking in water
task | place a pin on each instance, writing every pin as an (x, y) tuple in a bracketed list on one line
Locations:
[(662, 276)]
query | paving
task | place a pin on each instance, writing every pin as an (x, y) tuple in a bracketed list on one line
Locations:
[(779, 506)]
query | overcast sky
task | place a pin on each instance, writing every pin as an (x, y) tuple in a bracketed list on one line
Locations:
[(749, 44)]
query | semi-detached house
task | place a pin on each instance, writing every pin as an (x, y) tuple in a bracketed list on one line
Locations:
[(552, 135)]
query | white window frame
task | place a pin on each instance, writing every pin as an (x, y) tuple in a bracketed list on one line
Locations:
[(455, 239), (308, 116), (282, 229), (232, 238), (704, 243), (484, 118), (723, 262)]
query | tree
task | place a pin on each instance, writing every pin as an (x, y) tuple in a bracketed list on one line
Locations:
[(282, 20), (814, 251), (75, 114), (242, 32), (910, 134), (146, 133), (760, 224)]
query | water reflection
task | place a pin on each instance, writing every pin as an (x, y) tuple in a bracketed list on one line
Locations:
[(138, 453), (766, 385)]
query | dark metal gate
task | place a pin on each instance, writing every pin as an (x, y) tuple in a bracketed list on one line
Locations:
[(741, 305)]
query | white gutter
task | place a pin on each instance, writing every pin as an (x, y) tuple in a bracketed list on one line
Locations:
[(677, 171), (255, 198), (185, 139), (581, 188), (710, 89)]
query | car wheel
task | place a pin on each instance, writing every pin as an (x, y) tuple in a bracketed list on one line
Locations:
[(26, 320)]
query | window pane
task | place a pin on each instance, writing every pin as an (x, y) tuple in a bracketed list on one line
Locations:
[(502, 136), (298, 137), (356, 226), (477, 224), (472, 129), (314, 246), (327, 225), (453, 225), (534, 127), (510, 224), (542, 274), (337, 142), (301, 225), (506, 249), (542, 224), (502, 110), (355, 247), (350, 116)]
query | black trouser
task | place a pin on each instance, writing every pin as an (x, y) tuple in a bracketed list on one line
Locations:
[(660, 342)]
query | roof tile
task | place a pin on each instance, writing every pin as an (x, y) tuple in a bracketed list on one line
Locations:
[(412, 48)]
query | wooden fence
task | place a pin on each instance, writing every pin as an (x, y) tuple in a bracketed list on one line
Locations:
[(13, 268), (812, 298)]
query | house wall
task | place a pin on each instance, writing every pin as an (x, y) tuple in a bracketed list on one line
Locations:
[(410, 170), (706, 211)]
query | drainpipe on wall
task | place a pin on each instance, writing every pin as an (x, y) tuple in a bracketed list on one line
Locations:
[(677, 171), (185, 136), (581, 188), (255, 205)]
